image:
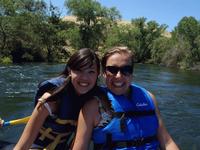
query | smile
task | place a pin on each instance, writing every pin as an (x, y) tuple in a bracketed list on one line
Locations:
[(118, 84), (84, 84)]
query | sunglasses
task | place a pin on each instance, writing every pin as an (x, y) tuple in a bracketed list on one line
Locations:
[(125, 70)]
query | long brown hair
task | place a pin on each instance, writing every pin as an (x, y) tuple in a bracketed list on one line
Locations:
[(83, 58)]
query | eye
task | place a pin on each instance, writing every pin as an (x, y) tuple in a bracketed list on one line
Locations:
[(91, 71)]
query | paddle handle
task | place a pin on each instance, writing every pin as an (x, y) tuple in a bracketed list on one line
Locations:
[(16, 122)]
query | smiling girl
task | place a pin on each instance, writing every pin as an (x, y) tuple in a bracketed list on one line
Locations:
[(58, 102)]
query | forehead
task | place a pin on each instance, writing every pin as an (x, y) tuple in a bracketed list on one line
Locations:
[(119, 59), (89, 66)]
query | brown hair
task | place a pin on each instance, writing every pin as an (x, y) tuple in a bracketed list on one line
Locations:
[(114, 50), (85, 57)]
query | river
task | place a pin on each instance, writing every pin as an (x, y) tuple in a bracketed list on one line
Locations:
[(177, 93)]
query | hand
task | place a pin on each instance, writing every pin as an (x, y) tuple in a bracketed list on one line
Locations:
[(1, 122)]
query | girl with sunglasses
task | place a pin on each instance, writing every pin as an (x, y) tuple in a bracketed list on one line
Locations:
[(58, 102), (128, 117)]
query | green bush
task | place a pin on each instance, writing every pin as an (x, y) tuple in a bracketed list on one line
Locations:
[(5, 60)]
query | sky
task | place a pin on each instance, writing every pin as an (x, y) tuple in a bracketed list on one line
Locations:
[(168, 12)]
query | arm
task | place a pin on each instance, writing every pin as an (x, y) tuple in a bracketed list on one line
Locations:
[(33, 126), (164, 138), (1, 122), (88, 119)]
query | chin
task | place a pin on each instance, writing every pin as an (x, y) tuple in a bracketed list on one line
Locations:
[(118, 92), (84, 91)]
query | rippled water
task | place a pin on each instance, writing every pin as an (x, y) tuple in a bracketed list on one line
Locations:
[(177, 93)]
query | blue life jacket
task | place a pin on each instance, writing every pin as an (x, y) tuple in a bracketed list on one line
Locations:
[(56, 132), (134, 125)]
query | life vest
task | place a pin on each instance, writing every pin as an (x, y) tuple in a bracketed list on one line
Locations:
[(48, 85), (57, 132), (133, 126)]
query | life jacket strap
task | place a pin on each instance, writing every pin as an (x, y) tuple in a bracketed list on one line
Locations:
[(53, 145), (56, 137), (109, 141), (136, 143), (122, 123), (134, 113), (64, 122), (48, 133), (45, 133), (129, 143)]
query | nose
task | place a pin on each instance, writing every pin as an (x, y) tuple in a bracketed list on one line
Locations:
[(84, 76), (119, 74)]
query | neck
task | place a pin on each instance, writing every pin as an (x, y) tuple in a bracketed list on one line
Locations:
[(128, 93)]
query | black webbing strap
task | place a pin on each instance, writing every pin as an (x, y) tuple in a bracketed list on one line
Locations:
[(134, 113), (108, 145), (136, 143), (109, 141), (126, 144)]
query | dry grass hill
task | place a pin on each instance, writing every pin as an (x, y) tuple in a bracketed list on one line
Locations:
[(121, 22)]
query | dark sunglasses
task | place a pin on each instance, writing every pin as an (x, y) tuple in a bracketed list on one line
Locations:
[(125, 70)]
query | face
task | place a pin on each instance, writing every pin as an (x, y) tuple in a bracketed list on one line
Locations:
[(84, 80), (118, 81)]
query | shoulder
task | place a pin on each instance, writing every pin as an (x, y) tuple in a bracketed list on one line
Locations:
[(153, 98), (156, 106), (103, 99), (91, 112), (50, 106), (91, 104), (53, 82), (48, 86)]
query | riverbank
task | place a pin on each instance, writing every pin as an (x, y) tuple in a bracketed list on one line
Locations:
[(196, 67)]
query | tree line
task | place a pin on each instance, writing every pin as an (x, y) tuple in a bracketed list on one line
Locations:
[(33, 31)]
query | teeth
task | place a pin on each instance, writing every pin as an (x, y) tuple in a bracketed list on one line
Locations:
[(83, 84), (118, 84)]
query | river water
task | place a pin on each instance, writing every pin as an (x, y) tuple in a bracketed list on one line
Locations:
[(177, 93)]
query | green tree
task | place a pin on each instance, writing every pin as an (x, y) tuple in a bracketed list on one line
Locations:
[(177, 55), (7, 8), (122, 34), (30, 31), (188, 31), (145, 36), (94, 20), (159, 48)]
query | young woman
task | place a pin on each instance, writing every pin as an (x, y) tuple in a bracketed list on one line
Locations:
[(133, 120), (58, 103)]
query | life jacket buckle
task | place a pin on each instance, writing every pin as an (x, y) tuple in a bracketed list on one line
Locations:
[(122, 122), (140, 142)]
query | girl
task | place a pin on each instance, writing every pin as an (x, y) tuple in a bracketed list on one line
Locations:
[(132, 122), (58, 103)]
